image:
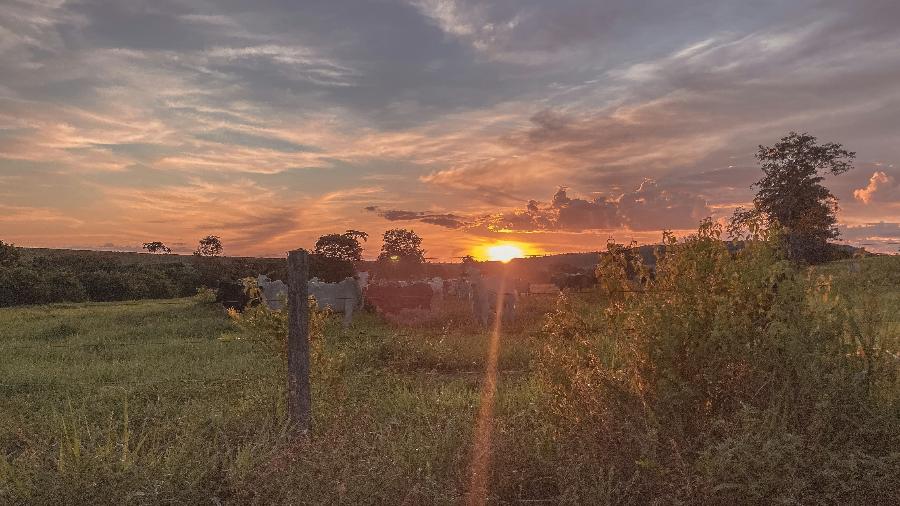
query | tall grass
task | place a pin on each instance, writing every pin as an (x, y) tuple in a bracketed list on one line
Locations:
[(724, 378), (161, 402)]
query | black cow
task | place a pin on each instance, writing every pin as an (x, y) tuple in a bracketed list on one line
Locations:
[(574, 282), (232, 295)]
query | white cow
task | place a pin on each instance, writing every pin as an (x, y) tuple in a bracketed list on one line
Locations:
[(487, 292), (337, 296), (274, 293)]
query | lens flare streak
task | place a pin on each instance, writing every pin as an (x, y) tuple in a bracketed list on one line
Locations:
[(481, 450)]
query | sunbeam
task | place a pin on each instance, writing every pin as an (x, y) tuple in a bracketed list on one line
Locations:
[(481, 450)]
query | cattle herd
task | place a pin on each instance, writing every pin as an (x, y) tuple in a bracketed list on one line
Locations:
[(487, 295)]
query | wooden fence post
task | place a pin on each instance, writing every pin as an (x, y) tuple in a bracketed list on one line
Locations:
[(299, 401)]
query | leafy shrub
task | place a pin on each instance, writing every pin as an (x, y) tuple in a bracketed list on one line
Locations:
[(269, 328), (62, 286), (151, 285), (19, 285), (106, 285), (22, 285), (724, 378)]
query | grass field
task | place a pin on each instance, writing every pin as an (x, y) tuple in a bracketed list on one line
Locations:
[(164, 402), (160, 401)]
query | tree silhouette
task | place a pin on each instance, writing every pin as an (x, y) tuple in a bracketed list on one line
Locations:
[(401, 245), (156, 247), (344, 246), (791, 193), (209, 246)]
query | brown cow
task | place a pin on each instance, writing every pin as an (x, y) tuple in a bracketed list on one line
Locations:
[(394, 297)]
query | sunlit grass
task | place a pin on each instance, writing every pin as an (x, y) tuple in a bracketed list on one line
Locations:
[(142, 402)]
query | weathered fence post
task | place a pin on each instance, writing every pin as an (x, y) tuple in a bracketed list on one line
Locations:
[(299, 401)]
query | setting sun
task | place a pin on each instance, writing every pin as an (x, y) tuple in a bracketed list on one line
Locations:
[(504, 252)]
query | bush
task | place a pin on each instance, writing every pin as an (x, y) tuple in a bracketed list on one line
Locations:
[(151, 285), (724, 378), (61, 287), (106, 286), (269, 328), (19, 285)]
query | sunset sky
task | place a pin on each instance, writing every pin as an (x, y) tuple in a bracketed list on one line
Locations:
[(270, 123)]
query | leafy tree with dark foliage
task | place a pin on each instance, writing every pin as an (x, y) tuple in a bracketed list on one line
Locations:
[(402, 256), (344, 246), (356, 234), (156, 247), (210, 246), (791, 195), (402, 245), (334, 254), (330, 270)]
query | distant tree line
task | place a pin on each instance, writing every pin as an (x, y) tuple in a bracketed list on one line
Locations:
[(76, 276)]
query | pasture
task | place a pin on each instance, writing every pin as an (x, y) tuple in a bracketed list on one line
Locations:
[(161, 402), (168, 401)]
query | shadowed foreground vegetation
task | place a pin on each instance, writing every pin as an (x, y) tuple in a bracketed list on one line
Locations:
[(723, 380)]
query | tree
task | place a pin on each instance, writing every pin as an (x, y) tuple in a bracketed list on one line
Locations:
[(156, 247), (344, 246), (9, 255), (210, 246), (401, 255), (401, 245), (791, 195), (469, 267), (356, 234)]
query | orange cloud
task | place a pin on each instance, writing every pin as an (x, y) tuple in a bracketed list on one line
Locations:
[(879, 187)]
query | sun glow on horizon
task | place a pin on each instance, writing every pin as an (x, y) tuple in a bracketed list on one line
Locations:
[(504, 252)]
